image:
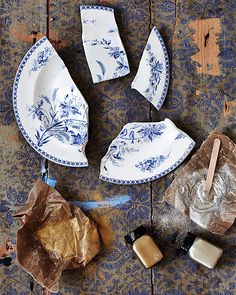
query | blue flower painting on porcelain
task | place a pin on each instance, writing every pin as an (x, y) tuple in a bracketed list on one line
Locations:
[(117, 152), (59, 119), (142, 132), (152, 78), (151, 163), (143, 152), (42, 59), (89, 21), (50, 111), (156, 69), (105, 54), (128, 137), (115, 52), (180, 135), (103, 70)]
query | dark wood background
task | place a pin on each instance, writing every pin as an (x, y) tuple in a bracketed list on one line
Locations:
[(200, 38)]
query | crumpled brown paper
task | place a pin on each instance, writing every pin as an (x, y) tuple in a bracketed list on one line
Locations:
[(55, 235), (216, 210)]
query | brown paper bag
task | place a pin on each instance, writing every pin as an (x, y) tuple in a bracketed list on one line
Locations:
[(215, 211), (55, 235)]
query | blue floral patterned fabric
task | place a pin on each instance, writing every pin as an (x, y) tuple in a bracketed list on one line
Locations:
[(194, 102)]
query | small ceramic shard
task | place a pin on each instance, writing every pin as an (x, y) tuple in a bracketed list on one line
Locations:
[(103, 47), (152, 78), (50, 111), (54, 236), (143, 152), (216, 210)]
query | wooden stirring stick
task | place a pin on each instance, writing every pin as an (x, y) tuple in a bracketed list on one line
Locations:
[(212, 165)]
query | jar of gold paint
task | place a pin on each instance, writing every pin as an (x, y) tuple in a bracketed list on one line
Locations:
[(144, 246)]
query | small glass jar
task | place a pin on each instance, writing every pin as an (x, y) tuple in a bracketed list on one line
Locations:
[(201, 250), (144, 246)]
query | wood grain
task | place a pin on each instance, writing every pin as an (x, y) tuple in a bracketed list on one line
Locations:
[(206, 32), (195, 102), (106, 120)]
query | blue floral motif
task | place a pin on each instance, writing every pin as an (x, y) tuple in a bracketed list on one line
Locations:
[(6, 211), (60, 120), (145, 133), (133, 135), (6, 112), (16, 198), (156, 69), (151, 163), (103, 70), (116, 52), (42, 59), (87, 21), (117, 152), (113, 30), (130, 108), (180, 135)]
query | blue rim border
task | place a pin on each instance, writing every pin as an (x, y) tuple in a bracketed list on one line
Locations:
[(167, 64), (15, 108), (175, 165), (97, 7)]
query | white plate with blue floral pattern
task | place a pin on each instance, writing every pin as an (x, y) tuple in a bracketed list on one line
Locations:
[(143, 152), (49, 108), (152, 78), (103, 47)]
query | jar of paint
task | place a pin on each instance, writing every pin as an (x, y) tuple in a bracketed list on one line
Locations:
[(200, 250), (144, 246)]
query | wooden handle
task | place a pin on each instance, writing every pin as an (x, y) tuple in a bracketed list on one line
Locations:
[(212, 165)]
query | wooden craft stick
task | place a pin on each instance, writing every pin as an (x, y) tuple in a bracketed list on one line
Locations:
[(212, 165)]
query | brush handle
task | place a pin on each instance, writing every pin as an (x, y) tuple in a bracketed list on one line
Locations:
[(212, 165)]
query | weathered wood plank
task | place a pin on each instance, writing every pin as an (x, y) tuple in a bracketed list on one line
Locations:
[(20, 165), (111, 105), (195, 102), (206, 37)]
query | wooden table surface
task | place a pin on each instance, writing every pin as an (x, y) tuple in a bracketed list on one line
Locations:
[(200, 38)]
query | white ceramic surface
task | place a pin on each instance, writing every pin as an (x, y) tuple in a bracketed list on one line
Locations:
[(49, 108), (103, 47), (152, 78), (143, 152)]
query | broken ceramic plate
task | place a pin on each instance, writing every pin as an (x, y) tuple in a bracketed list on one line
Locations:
[(143, 152), (49, 108), (152, 78), (103, 47)]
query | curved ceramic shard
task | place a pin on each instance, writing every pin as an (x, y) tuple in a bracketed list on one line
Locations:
[(152, 78), (103, 47), (49, 108), (143, 152)]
